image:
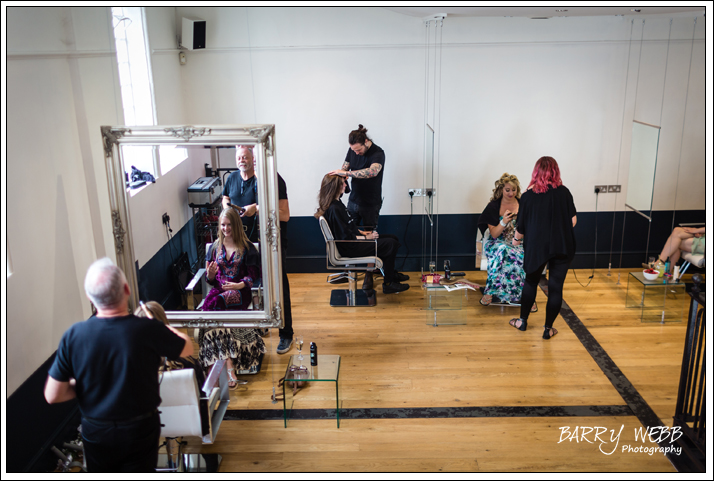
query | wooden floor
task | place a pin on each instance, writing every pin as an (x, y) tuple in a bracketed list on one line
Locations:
[(392, 359)]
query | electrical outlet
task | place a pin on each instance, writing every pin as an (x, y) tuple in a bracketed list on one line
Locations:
[(429, 192), (165, 218), (601, 189), (614, 188), (415, 192)]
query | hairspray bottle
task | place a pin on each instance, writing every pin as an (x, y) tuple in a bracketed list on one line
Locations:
[(313, 354)]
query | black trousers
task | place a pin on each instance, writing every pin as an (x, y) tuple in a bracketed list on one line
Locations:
[(287, 331), (364, 215), (387, 247), (558, 269), (122, 448)]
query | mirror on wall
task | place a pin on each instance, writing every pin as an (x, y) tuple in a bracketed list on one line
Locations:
[(643, 165), (162, 227), (428, 221)]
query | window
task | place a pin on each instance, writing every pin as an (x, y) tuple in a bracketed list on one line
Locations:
[(137, 92), (170, 156)]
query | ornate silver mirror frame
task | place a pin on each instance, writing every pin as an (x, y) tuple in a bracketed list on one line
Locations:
[(262, 138)]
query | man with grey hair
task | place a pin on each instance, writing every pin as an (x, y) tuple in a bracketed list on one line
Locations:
[(241, 190), (109, 363)]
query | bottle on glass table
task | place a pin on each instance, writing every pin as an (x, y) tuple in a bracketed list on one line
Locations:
[(313, 354)]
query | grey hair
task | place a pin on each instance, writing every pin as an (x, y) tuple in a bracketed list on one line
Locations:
[(104, 283)]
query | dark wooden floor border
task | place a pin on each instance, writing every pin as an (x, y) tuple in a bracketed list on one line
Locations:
[(430, 412), (622, 385), (635, 403)]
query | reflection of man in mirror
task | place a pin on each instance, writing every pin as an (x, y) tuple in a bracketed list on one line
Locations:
[(241, 190)]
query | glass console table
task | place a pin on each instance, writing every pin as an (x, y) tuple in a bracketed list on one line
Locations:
[(661, 300), (444, 307), (327, 370)]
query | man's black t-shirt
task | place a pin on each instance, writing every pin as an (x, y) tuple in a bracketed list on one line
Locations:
[(245, 192), (366, 191), (115, 361)]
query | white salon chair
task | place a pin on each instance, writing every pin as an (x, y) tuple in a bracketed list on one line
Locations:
[(351, 297), (183, 406)]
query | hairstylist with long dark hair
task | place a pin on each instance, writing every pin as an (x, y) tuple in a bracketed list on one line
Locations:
[(546, 219)]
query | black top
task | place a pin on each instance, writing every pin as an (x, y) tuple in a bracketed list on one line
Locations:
[(115, 362), (366, 191), (245, 192), (341, 224), (546, 222), (491, 215)]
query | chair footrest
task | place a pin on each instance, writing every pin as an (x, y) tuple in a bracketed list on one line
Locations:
[(362, 298)]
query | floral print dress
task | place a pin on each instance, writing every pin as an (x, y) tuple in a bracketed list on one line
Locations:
[(505, 266), (242, 345)]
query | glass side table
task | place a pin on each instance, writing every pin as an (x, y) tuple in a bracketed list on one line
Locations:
[(661, 300), (327, 370), (443, 307)]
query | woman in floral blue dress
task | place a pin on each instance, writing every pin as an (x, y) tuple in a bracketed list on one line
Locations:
[(505, 262)]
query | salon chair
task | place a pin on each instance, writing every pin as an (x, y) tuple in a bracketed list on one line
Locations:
[(351, 297), (184, 406)]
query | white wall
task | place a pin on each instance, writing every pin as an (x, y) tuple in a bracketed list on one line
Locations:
[(168, 195), (61, 86), (514, 89)]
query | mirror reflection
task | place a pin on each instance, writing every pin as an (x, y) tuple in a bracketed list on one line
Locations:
[(643, 163), (195, 229)]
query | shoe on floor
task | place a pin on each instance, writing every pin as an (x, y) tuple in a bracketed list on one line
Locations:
[(399, 277), (284, 345), (394, 287)]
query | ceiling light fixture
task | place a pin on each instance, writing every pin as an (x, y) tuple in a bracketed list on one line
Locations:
[(638, 10), (561, 10)]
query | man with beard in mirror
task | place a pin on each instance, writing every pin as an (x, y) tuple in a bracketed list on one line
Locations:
[(241, 191)]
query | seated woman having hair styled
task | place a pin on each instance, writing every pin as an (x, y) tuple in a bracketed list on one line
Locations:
[(232, 266), (343, 228), (154, 310), (505, 262)]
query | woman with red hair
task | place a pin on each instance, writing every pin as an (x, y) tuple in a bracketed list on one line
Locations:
[(546, 219)]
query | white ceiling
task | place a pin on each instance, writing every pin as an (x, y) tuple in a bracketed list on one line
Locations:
[(538, 11)]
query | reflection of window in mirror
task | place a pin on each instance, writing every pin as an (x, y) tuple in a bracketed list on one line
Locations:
[(142, 157), (170, 156)]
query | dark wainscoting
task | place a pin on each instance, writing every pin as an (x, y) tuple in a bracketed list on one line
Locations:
[(33, 426), (457, 239), (456, 242)]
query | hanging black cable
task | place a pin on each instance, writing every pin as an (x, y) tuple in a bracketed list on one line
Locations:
[(597, 194)]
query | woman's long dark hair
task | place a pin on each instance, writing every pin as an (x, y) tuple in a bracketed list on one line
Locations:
[(330, 189)]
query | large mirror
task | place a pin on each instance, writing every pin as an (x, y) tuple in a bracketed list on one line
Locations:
[(643, 165), (163, 227)]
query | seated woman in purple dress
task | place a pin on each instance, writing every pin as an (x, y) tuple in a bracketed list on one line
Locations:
[(232, 266)]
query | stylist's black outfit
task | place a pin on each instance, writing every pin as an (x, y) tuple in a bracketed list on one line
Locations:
[(343, 228), (365, 200), (245, 192), (546, 222)]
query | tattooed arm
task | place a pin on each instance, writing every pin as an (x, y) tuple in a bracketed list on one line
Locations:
[(372, 171)]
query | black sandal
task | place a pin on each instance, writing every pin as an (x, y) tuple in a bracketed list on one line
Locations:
[(547, 334), (523, 326)]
